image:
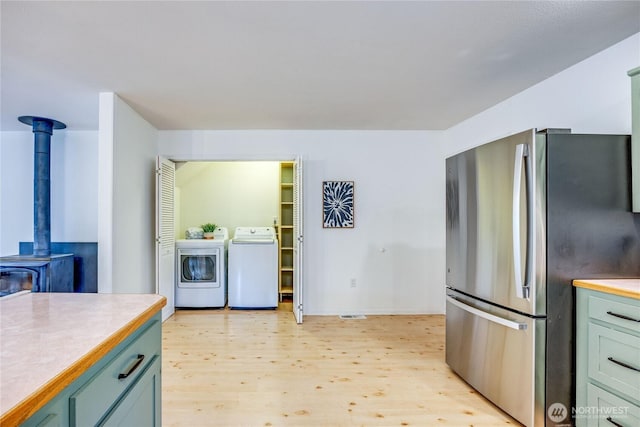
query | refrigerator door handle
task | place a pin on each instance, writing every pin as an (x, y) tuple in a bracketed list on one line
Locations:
[(488, 316), (522, 288)]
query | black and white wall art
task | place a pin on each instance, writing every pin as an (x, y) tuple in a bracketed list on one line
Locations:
[(337, 204)]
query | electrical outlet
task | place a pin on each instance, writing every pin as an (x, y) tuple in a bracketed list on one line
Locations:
[(353, 282)]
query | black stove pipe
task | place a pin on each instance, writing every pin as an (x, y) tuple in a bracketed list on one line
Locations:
[(42, 131)]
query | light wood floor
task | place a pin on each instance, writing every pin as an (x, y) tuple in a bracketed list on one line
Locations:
[(258, 368)]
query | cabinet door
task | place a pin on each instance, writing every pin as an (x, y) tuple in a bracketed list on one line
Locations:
[(140, 406), (52, 420), (51, 415), (49, 419), (606, 410)]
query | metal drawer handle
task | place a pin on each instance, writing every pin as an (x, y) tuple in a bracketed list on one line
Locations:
[(624, 365), (622, 316), (132, 368), (614, 423)]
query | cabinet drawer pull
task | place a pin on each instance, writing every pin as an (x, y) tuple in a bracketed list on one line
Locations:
[(614, 423), (132, 368), (622, 316), (624, 365)]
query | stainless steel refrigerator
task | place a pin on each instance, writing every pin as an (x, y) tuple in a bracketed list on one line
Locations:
[(525, 215)]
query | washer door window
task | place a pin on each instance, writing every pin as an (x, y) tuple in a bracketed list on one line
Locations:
[(198, 268)]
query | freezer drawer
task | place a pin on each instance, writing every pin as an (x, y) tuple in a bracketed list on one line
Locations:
[(499, 353)]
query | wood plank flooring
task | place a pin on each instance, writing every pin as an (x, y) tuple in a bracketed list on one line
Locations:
[(259, 368)]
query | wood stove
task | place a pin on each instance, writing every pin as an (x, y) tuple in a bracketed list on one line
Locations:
[(41, 271)]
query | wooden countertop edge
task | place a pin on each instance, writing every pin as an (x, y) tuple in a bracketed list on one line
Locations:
[(606, 289), (29, 406)]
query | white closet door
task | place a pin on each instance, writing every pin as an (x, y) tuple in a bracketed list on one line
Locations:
[(165, 234), (298, 241)]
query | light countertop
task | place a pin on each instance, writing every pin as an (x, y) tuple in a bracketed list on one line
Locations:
[(624, 287), (49, 339)]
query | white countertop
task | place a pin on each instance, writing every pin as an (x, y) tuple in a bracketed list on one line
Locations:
[(48, 340)]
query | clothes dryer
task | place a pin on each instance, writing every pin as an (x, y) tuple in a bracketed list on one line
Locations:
[(201, 279)]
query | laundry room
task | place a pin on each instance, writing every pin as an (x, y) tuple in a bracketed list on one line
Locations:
[(243, 200)]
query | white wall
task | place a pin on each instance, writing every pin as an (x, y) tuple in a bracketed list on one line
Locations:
[(593, 96), (399, 186), (399, 183), (229, 194), (74, 160), (127, 199), (396, 250)]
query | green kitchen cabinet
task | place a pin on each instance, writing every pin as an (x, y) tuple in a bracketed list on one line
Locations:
[(141, 404), (122, 389), (607, 359)]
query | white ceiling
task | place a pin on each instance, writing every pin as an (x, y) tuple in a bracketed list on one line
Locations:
[(292, 65)]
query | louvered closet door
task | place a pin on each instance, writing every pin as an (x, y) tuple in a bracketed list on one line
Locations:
[(165, 234), (298, 241)]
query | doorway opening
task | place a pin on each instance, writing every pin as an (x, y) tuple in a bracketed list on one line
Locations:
[(235, 193)]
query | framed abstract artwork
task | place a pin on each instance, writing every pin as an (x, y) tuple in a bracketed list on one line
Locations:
[(337, 204)]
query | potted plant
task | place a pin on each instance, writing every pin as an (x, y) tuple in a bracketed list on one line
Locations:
[(208, 229)]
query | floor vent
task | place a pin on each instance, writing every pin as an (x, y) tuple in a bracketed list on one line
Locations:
[(353, 316)]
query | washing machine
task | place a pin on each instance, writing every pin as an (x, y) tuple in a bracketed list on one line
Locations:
[(201, 271), (253, 268)]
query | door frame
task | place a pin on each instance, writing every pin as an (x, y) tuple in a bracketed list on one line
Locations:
[(297, 160)]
